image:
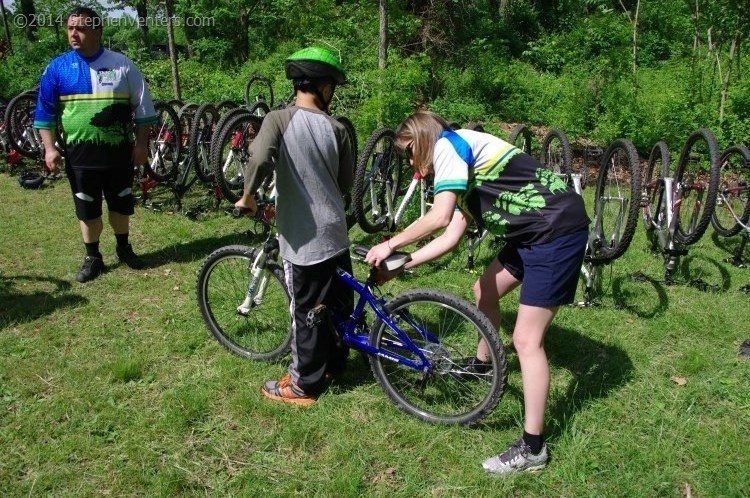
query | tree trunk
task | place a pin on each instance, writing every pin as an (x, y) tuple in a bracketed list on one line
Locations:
[(141, 11), (725, 83), (382, 52), (29, 12), (172, 51), (694, 58), (5, 25), (635, 50), (383, 40), (243, 42)]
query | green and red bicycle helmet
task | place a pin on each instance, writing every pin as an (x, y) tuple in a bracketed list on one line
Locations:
[(314, 63)]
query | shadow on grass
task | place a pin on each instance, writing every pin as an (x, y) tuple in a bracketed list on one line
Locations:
[(197, 249), (706, 274), (25, 298), (631, 293), (597, 369)]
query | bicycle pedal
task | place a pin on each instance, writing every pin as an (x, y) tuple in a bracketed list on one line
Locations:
[(315, 316)]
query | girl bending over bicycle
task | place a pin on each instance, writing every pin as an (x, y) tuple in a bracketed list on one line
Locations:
[(545, 225)]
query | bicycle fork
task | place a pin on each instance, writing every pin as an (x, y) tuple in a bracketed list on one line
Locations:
[(257, 287)]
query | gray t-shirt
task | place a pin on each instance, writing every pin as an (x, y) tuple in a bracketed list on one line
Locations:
[(314, 162)]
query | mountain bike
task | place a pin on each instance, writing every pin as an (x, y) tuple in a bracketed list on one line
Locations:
[(419, 343), (385, 184), (677, 209), (731, 215), (616, 204)]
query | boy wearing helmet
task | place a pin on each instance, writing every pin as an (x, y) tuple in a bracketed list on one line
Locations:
[(313, 159)]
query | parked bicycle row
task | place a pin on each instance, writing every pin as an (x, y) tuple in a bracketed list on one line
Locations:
[(208, 144)]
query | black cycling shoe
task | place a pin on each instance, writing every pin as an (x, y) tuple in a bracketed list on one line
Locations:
[(126, 255), (92, 267)]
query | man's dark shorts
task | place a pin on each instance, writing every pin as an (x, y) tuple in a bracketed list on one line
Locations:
[(549, 271), (88, 186)]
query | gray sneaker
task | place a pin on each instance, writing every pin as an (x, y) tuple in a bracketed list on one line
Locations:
[(517, 458)]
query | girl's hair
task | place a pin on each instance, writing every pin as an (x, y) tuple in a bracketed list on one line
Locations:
[(424, 128)]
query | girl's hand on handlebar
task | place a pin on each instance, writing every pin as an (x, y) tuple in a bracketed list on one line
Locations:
[(378, 254)]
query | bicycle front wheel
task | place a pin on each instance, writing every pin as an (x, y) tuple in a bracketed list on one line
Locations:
[(733, 199), (617, 198), (445, 329), (557, 154), (247, 314), (697, 182)]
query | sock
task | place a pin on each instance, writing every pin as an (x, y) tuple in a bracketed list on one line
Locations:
[(92, 249), (122, 239), (535, 442)]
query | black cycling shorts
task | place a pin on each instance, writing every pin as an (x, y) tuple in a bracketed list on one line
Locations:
[(89, 185)]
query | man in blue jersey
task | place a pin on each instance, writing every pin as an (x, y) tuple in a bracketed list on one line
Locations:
[(95, 95)]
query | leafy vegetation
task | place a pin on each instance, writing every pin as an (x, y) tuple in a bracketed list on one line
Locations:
[(565, 63)]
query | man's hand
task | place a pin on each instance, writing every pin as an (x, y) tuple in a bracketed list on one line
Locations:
[(139, 155), (53, 159)]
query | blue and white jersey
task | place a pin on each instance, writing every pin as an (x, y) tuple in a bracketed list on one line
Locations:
[(96, 100)]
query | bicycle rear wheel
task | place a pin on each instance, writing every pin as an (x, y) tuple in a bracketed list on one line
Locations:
[(557, 154), (445, 328), (733, 198), (377, 180), (617, 200), (201, 132), (164, 144), (230, 156), (257, 325), (697, 183), (19, 126), (520, 136)]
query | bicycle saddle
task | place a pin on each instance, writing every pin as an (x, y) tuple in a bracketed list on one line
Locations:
[(392, 262)]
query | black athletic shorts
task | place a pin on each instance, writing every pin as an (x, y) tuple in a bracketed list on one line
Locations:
[(89, 185)]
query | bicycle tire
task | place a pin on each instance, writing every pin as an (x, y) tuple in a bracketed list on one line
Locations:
[(262, 333), (225, 105), (733, 198), (613, 238), (351, 218), (223, 120), (521, 131), (264, 81), (230, 176), (448, 394), (19, 119), (201, 133), (658, 168), (164, 137), (693, 180), (259, 108), (557, 154), (176, 104), (475, 126), (186, 114), (378, 170)]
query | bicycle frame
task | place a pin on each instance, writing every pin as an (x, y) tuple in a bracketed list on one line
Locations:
[(352, 329)]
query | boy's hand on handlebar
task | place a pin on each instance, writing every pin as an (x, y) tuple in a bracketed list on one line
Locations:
[(378, 254), (246, 206)]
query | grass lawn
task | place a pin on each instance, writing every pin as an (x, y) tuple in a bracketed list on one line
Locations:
[(116, 388)]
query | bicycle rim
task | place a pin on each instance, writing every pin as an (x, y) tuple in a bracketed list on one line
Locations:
[(446, 332), (697, 183), (733, 197), (618, 196), (257, 326)]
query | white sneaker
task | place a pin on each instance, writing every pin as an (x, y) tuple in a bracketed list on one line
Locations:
[(517, 458)]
